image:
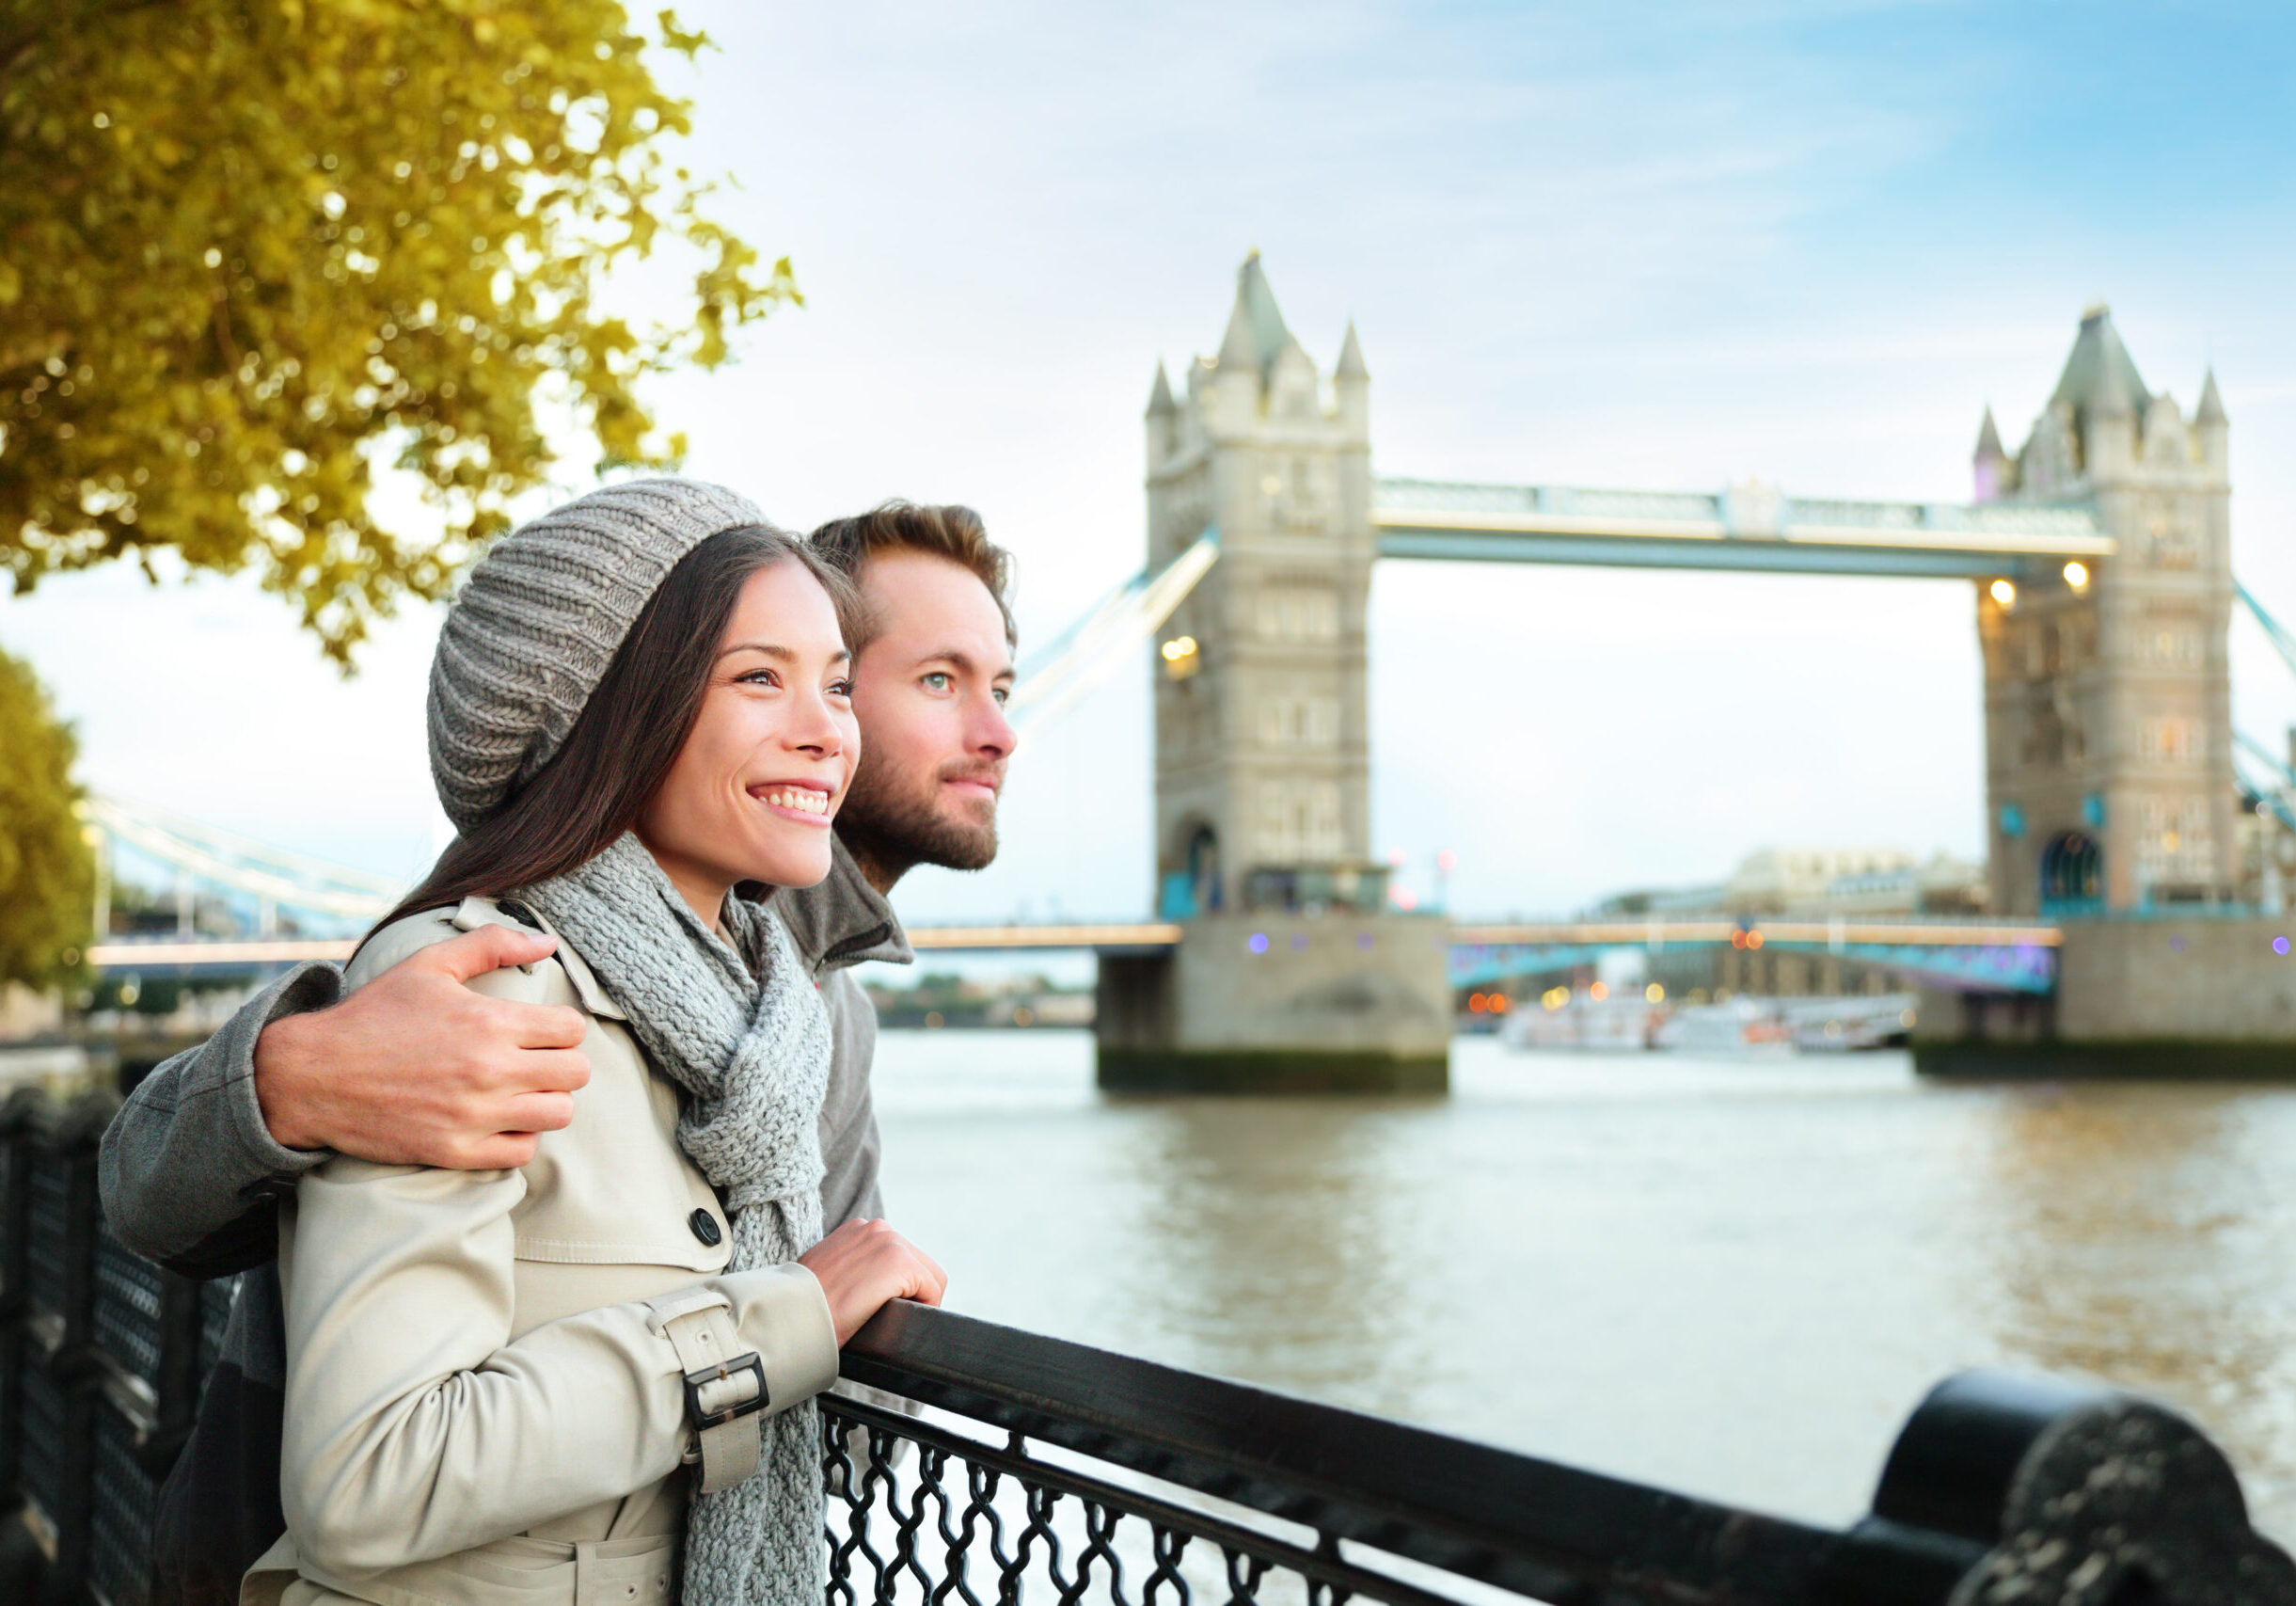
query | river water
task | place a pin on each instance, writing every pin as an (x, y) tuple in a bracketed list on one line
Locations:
[(1731, 1277)]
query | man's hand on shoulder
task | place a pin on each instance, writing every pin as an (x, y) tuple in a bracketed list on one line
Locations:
[(416, 1069)]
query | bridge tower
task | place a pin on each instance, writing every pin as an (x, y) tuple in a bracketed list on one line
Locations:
[(2108, 698), (1262, 760), (1292, 973)]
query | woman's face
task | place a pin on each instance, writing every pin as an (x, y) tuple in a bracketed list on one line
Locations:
[(751, 795)]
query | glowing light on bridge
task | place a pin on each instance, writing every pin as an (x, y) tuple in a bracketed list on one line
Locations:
[(2076, 575), (2003, 593)]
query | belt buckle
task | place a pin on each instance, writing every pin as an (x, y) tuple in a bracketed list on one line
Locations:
[(695, 1381)]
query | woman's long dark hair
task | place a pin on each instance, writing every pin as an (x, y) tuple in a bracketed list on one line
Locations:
[(630, 732)]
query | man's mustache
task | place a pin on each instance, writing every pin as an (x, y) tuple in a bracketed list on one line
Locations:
[(991, 776)]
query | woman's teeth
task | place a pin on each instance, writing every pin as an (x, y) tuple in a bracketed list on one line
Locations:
[(803, 799)]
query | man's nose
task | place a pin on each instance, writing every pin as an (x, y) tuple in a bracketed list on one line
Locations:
[(992, 735)]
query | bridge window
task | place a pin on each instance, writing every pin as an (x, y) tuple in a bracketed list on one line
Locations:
[(1298, 614), (1298, 822), (2173, 740), (2175, 846), (1300, 722)]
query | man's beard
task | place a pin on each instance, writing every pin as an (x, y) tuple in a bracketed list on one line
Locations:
[(897, 827)]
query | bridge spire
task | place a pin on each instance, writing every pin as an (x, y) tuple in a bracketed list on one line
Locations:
[(1351, 358), (1990, 462), (2211, 408), (2099, 377), (1257, 333), (1160, 399)]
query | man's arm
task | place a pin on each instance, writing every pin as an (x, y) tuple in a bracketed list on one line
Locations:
[(412, 1069), (850, 1150), (187, 1164)]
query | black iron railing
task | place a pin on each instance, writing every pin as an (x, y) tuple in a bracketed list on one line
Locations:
[(972, 1465), (1047, 1470)]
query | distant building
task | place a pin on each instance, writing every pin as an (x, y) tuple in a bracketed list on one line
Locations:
[(1820, 882)]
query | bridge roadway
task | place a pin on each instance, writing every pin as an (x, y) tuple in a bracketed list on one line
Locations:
[(1971, 955), (1749, 526)]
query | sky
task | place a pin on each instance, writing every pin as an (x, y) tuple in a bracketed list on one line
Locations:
[(1662, 246)]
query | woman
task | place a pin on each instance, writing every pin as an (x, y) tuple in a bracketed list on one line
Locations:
[(498, 1379)]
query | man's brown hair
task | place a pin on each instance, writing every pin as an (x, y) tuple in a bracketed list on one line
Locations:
[(952, 532)]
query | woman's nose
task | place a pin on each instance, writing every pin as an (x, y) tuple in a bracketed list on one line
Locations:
[(814, 726)]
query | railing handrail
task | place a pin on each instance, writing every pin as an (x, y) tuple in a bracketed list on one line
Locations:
[(1978, 1471), (1506, 1518)]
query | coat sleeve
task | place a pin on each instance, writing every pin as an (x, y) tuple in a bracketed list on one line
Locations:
[(849, 1147), (189, 1173), (418, 1425)]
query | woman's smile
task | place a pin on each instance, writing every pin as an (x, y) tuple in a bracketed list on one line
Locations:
[(805, 801)]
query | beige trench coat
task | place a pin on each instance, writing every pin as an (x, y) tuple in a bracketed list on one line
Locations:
[(478, 1410)]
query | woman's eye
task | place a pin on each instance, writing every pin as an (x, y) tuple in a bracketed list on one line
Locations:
[(840, 687), (757, 677)]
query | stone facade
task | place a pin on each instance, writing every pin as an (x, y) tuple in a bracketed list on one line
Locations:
[(1262, 751), (2108, 713)]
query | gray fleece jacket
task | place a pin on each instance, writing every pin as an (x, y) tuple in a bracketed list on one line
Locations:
[(192, 1177)]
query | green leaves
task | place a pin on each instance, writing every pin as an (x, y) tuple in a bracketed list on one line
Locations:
[(47, 870), (250, 252)]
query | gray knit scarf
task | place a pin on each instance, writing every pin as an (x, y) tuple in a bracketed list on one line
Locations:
[(743, 1029)]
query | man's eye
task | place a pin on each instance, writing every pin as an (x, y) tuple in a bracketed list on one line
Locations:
[(939, 681), (1001, 693)]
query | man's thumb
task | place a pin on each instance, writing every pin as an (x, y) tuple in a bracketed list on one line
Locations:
[(489, 947)]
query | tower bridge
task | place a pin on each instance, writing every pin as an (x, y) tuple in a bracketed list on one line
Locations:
[(2100, 559)]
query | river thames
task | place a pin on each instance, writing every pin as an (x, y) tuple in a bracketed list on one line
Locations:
[(1733, 1277)]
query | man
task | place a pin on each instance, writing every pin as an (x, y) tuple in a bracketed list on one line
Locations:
[(416, 1069)]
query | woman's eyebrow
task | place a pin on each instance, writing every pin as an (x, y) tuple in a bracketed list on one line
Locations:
[(769, 648), (783, 653)]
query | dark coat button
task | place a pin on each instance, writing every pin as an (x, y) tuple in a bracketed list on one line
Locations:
[(704, 1227)]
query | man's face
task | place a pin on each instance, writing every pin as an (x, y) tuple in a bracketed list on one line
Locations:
[(929, 692)]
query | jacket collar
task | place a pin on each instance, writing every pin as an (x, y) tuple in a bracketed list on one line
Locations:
[(843, 921)]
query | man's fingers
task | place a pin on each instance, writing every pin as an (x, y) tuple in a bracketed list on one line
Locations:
[(551, 1071), (503, 1151), (540, 1112), (475, 953), (544, 1026)]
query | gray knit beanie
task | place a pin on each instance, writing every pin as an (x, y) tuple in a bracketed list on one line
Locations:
[(540, 618)]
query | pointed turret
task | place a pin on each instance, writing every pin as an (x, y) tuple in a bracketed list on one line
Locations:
[(1257, 333), (2209, 425), (2211, 408), (1350, 388), (2099, 393), (1989, 463), (1237, 353), (1162, 421), (2100, 375)]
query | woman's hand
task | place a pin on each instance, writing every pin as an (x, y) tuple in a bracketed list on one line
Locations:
[(863, 1264)]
